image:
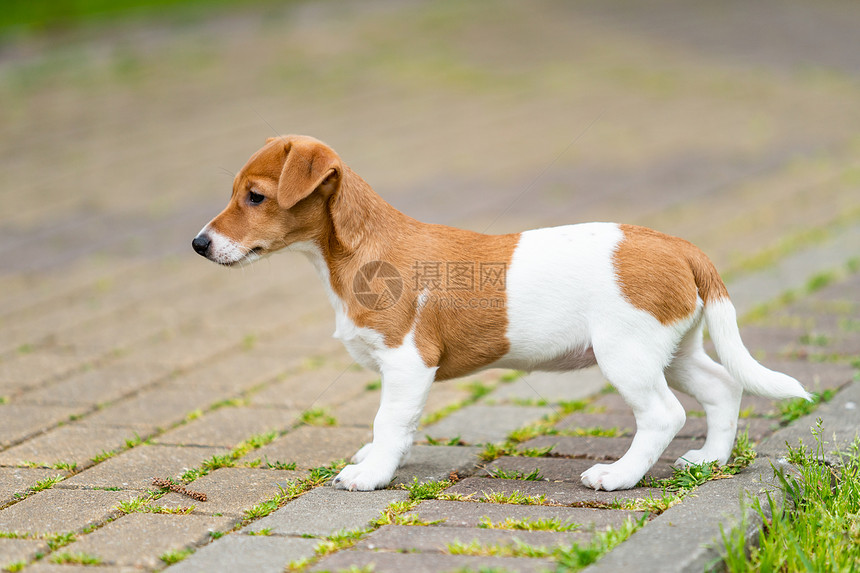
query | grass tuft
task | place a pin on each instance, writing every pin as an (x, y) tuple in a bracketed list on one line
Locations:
[(816, 527)]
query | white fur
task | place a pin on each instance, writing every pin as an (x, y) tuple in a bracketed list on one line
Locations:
[(226, 251)]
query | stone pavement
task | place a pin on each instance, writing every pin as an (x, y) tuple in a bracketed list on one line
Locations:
[(124, 356)]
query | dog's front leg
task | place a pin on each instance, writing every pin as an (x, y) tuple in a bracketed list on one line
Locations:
[(405, 384)]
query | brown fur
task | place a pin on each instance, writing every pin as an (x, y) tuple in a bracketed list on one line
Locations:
[(312, 196), (663, 275)]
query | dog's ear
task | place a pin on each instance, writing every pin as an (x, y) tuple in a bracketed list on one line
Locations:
[(309, 166)]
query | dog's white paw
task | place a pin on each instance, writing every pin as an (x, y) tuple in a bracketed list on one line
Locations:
[(362, 454), (362, 477), (607, 478), (696, 457)]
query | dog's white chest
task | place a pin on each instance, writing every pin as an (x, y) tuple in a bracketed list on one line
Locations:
[(363, 344)]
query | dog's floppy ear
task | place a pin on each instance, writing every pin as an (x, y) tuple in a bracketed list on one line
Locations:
[(310, 166)]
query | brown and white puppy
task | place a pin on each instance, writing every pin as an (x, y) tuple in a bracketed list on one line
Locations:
[(419, 303)]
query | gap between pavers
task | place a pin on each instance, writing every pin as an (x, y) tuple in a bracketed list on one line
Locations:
[(324, 510), (470, 514), (19, 480), (428, 562)]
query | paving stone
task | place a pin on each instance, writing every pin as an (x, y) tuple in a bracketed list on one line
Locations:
[(18, 421), (442, 395), (19, 480), (77, 442), (135, 468), (234, 374), (97, 386), (314, 446), (596, 448), (558, 469), (815, 376), (229, 426), (470, 514), (434, 463), (427, 562), (230, 491), (478, 424), (564, 493), (59, 510), (236, 552), (15, 550), (36, 368), (614, 403), (154, 409), (552, 386), (324, 510), (153, 535), (358, 412), (408, 538), (320, 387)]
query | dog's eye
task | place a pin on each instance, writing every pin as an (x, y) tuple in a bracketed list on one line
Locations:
[(255, 198)]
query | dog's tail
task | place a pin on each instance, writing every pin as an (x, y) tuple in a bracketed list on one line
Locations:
[(721, 318)]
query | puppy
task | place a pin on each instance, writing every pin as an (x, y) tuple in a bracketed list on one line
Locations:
[(420, 303)]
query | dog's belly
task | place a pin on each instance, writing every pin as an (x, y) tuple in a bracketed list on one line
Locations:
[(570, 360)]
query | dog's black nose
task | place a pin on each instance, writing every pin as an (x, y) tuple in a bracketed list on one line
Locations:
[(201, 244)]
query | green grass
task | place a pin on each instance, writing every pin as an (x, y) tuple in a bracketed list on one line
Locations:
[(500, 473), (339, 540), (571, 557), (317, 417), (816, 527), (76, 559), (529, 524), (60, 540), (419, 491), (175, 556), (790, 410)]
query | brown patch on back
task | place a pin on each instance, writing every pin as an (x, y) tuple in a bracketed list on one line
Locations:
[(664, 275)]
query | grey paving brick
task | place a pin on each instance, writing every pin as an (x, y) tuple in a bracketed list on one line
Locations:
[(552, 386), (135, 468), (595, 448), (358, 411), (470, 514), (236, 552), (427, 562), (434, 463), (42, 567), (314, 446), (478, 424), (76, 442), (15, 550), (156, 408), (230, 491), (229, 426), (104, 384), (324, 510), (36, 368), (324, 386), (235, 373), (18, 421), (408, 538), (19, 480), (153, 535), (695, 426), (564, 493), (60, 510)]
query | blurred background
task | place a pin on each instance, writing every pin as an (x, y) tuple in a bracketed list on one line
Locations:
[(734, 124)]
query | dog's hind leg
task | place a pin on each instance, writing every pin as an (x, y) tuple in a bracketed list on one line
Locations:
[(694, 372), (406, 381), (635, 367)]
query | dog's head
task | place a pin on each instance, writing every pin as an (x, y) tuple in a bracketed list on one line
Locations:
[(279, 199)]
